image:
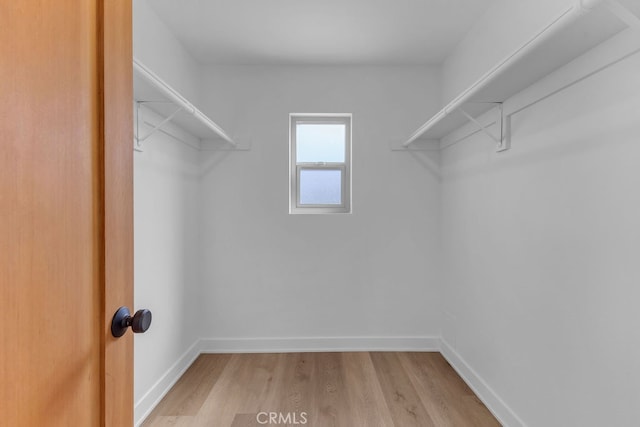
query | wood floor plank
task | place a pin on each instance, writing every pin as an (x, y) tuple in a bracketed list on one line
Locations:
[(237, 390), (445, 375), (476, 414), (366, 399), (297, 394), (448, 399), (443, 409), (332, 389), (192, 389), (276, 384), (246, 420), (402, 399), (171, 421), (331, 400), (291, 389)]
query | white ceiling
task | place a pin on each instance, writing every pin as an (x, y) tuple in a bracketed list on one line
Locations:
[(319, 32)]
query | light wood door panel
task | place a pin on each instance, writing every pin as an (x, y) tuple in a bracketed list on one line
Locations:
[(62, 143), (117, 96)]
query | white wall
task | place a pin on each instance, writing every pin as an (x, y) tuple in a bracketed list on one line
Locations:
[(157, 48), (166, 242), (505, 26), (166, 225), (372, 273), (541, 246)]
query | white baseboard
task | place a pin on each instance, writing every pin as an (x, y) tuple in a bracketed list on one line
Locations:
[(492, 401), (151, 398), (317, 344)]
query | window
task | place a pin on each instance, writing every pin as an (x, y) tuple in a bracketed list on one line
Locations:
[(320, 163)]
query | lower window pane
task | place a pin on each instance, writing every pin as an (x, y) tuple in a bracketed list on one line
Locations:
[(320, 187)]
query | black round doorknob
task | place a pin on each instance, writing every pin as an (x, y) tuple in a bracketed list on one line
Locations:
[(139, 322)]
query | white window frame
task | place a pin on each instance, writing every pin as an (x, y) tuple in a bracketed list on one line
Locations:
[(295, 168)]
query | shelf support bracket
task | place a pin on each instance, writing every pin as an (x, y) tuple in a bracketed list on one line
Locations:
[(502, 140), (155, 128)]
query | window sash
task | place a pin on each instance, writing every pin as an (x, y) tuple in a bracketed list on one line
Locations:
[(325, 166)]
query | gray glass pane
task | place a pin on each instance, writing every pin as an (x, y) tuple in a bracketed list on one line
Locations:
[(320, 187), (320, 143)]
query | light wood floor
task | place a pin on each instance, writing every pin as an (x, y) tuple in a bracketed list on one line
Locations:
[(333, 389)]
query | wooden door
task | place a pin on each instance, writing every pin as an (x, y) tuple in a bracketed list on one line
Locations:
[(66, 258)]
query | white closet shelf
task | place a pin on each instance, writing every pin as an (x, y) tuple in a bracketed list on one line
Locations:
[(579, 28), (154, 93)]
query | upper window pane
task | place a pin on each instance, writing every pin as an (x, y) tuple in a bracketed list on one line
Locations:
[(316, 143)]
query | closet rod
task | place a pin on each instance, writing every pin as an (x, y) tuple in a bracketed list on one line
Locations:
[(572, 13), (179, 100)]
